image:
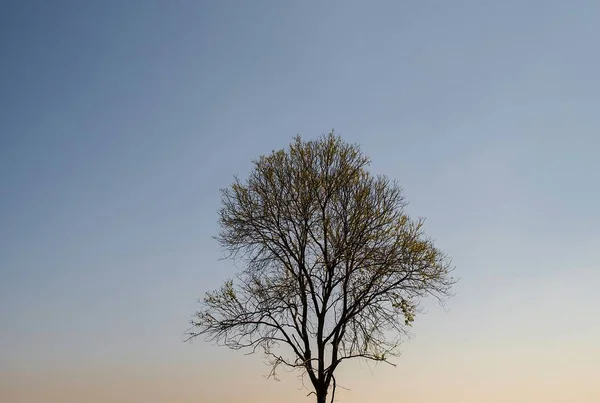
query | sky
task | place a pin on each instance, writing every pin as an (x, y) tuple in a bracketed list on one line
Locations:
[(121, 120)]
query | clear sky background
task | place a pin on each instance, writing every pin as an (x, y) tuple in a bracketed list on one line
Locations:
[(120, 120)]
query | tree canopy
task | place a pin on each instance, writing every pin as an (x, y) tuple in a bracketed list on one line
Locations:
[(333, 267)]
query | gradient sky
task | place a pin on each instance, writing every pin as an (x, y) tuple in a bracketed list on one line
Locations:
[(120, 120)]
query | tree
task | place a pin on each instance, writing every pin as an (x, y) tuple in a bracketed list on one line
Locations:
[(334, 269)]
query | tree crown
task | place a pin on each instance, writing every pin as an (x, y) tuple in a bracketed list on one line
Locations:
[(334, 267)]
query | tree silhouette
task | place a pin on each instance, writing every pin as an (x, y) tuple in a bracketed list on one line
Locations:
[(333, 267)]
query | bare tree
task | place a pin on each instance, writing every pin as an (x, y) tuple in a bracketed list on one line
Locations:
[(333, 267)]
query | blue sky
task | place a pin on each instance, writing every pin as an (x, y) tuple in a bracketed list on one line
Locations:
[(120, 121)]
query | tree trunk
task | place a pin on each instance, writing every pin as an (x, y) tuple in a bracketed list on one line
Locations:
[(322, 396)]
